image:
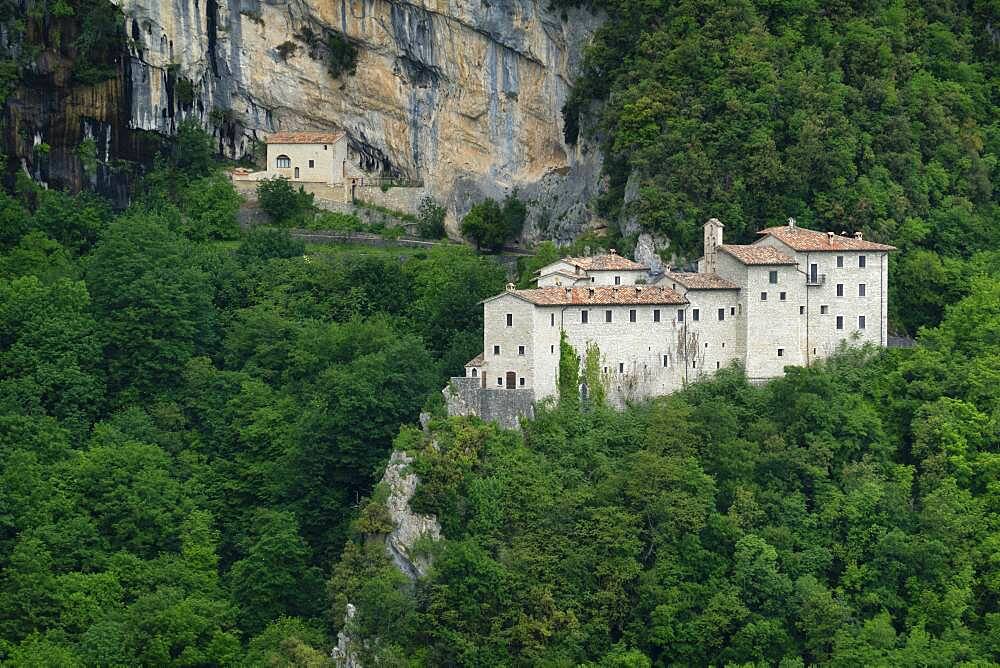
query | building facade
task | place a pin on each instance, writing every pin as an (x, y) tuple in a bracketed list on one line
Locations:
[(791, 298)]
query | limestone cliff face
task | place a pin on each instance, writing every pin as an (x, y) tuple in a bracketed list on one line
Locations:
[(464, 94)]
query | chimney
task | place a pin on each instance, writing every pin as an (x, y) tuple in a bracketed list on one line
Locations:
[(510, 287), (590, 291), (857, 235), (791, 222), (829, 237), (569, 292), (612, 251), (713, 239)]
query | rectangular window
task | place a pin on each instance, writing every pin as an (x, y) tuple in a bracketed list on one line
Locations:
[(621, 367), (500, 382), (862, 260), (732, 310), (510, 319), (520, 381), (311, 164), (781, 352), (781, 296), (722, 314), (763, 296), (802, 310), (664, 360), (552, 319), (656, 315), (840, 322), (607, 316), (861, 289), (840, 261), (631, 315), (520, 350), (772, 277), (696, 314), (824, 309), (680, 315), (552, 349), (840, 289), (861, 322), (584, 317), (694, 364), (618, 280), (496, 350)]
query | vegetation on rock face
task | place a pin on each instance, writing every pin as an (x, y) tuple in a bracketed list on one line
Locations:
[(491, 224), (878, 117), (343, 55)]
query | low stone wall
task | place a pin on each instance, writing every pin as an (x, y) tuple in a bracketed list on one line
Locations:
[(467, 396), (362, 238), (404, 199)]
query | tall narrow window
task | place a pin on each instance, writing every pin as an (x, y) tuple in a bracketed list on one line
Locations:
[(862, 260), (631, 315), (618, 280), (664, 360), (520, 381), (552, 319), (584, 317), (696, 314), (861, 322), (732, 310), (861, 289), (840, 322), (680, 315), (840, 289), (311, 164), (772, 277), (840, 261), (621, 367), (496, 350), (520, 350), (510, 319), (802, 310), (656, 315), (722, 314), (781, 352), (607, 316)]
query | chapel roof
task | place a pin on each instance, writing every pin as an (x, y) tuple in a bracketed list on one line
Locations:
[(305, 137), (802, 239), (605, 262), (600, 295), (757, 254), (699, 281), (475, 361)]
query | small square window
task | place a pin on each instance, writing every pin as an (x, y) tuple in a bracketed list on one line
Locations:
[(772, 277), (861, 289), (631, 315), (311, 164), (840, 261), (656, 315), (520, 381), (763, 296), (618, 280), (664, 360), (840, 322), (496, 350), (520, 350), (862, 260), (781, 352), (840, 289), (696, 314), (824, 309), (802, 310), (722, 314), (510, 319), (584, 317), (607, 316), (861, 322), (680, 315), (781, 296)]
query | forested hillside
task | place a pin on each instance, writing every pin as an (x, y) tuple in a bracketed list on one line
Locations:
[(847, 514), (873, 116)]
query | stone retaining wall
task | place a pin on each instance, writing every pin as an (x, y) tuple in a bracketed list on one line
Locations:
[(467, 396)]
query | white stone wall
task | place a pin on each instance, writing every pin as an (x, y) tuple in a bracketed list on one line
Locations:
[(497, 333), (624, 277), (773, 324), (713, 343), (328, 163), (820, 332)]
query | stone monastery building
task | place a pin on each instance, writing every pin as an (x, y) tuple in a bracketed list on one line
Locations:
[(790, 298)]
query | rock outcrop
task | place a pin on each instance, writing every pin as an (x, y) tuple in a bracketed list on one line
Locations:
[(466, 96), (408, 526)]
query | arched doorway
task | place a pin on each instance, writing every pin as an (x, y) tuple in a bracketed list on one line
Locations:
[(511, 380)]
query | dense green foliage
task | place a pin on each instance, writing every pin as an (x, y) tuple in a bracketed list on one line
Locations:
[(343, 55), (847, 514), (491, 224), (880, 117), (430, 219), (186, 426), (286, 206)]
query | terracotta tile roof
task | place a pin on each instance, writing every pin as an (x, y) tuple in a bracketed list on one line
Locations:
[(693, 281), (757, 254), (305, 137), (610, 295), (801, 239), (606, 262), (475, 361)]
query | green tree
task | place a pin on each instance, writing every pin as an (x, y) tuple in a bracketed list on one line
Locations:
[(285, 205), (569, 373), (430, 219)]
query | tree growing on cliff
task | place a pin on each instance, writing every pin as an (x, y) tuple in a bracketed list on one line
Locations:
[(491, 224)]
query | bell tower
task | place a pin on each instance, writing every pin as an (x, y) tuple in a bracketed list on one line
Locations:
[(713, 239)]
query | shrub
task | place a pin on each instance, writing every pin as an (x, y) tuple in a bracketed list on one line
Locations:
[(430, 219), (490, 225), (266, 243), (343, 55), (334, 220), (279, 199)]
